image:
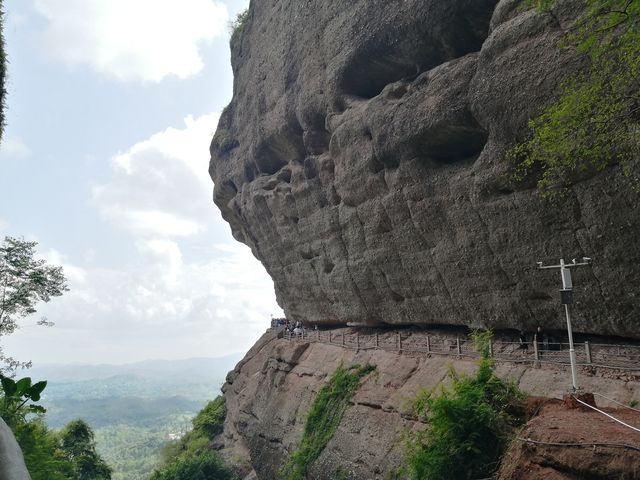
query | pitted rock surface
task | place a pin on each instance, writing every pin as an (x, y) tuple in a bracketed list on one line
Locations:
[(362, 159)]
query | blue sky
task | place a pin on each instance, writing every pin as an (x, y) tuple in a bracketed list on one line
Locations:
[(111, 108)]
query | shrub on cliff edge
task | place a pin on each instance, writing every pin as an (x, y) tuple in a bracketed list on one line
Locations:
[(191, 458), (237, 28), (469, 424)]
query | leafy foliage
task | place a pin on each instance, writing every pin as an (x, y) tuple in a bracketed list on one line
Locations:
[(24, 281), (324, 418), (469, 424), (210, 419), (69, 455), (596, 121), (191, 458), (16, 395), (43, 456)]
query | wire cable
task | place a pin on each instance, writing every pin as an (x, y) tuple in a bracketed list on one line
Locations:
[(606, 414), (615, 401), (592, 444)]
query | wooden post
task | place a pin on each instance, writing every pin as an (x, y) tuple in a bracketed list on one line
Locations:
[(377, 344), (329, 336), (343, 339), (428, 344), (458, 346), (399, 342), (491, 347), (587, 349), (357, 341), (535, 346)]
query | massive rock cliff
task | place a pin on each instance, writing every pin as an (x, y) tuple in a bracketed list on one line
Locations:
[(362, 159), (269, 393)]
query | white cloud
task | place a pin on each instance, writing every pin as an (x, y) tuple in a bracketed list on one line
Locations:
[(185, 291), (14, 147), (132, 39), (160, 307), (160, 186), (74, 274)]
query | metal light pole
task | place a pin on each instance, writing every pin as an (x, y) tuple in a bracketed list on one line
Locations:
[(566, 297)]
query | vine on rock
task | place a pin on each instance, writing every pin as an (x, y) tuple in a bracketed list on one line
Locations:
[(324, 418)]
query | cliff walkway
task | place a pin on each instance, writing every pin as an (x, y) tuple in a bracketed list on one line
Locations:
[(595, 355)]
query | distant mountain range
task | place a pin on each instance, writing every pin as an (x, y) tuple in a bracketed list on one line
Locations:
[(133, 408), (190, 368)]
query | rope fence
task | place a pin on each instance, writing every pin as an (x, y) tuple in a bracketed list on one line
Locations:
[(623, 357)]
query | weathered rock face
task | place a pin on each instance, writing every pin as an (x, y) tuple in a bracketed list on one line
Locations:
[(12, 465), (362, 160), (269, 393)]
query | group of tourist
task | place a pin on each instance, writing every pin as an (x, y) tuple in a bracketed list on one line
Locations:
[(545, 342), (293, 328)]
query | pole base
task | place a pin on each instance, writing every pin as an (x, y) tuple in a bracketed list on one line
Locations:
[(570, 403)]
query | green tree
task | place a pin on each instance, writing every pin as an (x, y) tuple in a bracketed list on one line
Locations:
[(79, 446), (24, 282), (42, 454), (595, 123)]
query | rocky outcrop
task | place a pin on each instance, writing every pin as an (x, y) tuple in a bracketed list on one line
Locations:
[(269, 393), (12, 465), (562, 444), (362, 159)]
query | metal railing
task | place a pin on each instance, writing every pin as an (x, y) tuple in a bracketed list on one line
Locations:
[(623, 357)]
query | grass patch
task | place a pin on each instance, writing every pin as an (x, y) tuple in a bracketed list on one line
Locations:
[(324, 418)]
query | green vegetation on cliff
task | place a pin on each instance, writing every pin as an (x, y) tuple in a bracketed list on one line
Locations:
[(469, 425), (237, 28), (324, 418), (49, 455), (595, 122), (191, 458)]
